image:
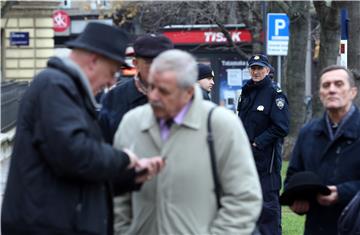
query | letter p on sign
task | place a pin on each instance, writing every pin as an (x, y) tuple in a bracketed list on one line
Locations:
[(279, 25)]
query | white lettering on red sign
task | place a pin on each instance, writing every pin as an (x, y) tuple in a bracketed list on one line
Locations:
[(202, 36), (220, 37)]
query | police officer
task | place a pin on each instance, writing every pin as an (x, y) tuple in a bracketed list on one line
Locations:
[(131, 93), (263, 109)]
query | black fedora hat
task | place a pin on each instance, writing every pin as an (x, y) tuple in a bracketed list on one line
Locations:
[(303, 185), (103, 39)]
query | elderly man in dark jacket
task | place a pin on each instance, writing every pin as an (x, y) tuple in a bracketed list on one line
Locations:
[(60, 168), (131, 93), (330, 147)]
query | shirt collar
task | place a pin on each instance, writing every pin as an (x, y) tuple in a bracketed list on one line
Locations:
[(179, 118), (340, 124)]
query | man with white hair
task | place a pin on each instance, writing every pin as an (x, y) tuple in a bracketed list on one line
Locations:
[(181, 199)]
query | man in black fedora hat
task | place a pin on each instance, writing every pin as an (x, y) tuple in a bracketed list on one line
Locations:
[(60, 168), (329, 147), (132, 93)]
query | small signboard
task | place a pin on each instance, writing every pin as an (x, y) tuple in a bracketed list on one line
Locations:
[(19, 38)]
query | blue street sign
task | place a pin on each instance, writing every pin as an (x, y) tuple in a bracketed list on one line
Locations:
[(277, 33), (19, 38)]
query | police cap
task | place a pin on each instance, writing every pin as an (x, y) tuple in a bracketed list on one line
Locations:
[(259, 60)]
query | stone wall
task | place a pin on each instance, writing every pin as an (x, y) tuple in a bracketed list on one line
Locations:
[(22, 62), (34, 17)]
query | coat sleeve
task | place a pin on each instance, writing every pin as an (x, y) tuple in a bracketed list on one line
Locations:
[(296, 161), (279, 118), (66, 141), (104, 117), (347, 190), (242, 198)]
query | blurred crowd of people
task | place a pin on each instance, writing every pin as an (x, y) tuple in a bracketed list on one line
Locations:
[(140, 162)]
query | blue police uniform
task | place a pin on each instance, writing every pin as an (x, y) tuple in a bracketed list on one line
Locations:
[(263, 109), (115, 104)]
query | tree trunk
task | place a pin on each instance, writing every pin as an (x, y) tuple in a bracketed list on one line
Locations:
[(295, 82), (253, 18), (329, 18), (353, 58)]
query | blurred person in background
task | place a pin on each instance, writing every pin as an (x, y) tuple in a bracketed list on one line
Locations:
[(206, 80)]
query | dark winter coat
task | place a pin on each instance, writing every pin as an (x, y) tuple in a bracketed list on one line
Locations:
[(60, 167), (205, 94), (336, 161), (115, 104)]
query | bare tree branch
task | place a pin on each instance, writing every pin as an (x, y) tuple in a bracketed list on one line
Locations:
[(229, 39)]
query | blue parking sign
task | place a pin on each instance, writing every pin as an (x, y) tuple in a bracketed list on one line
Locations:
[(277, 33)]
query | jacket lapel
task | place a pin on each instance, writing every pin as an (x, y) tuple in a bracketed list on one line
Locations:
[(150, 125), (348, 131), (191, 120)]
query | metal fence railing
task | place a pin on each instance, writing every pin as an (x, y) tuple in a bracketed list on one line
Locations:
[(11, 94)]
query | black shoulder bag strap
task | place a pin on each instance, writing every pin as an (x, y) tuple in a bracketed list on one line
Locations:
[(218, 190), (210, 141)]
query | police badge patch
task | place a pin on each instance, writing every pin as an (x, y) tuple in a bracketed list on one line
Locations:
[(280, 103)]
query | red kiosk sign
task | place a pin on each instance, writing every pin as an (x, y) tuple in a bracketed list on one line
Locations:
[(61, 21)]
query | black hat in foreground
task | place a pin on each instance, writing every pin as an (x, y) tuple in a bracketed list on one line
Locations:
[(205, 71), (103, 39), (260, 60), (151, 45), (303, 185)]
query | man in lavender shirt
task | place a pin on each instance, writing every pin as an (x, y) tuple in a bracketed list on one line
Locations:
[(181, 199)]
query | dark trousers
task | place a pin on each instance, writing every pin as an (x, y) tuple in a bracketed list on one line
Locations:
[(269, 222)]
